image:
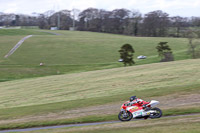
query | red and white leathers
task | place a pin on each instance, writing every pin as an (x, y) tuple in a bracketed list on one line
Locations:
[(138, 102)]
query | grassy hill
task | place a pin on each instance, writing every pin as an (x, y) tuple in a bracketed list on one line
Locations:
[(102, 83), (72, 48), (75, 60), (55, 94), (74, 51)]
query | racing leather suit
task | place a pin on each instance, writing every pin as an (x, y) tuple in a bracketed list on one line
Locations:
[(139, 102)]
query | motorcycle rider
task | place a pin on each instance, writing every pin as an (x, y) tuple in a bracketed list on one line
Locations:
[(134, 100)]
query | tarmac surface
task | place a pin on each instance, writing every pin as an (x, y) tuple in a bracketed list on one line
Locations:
[(17, 46)]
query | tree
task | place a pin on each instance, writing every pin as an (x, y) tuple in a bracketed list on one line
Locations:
[(17, 20), (66, 20), (132, 25), (195, 21), (178, 22), (61, 19), (193, 44), (75, 14), (164, 51), (126, 54), (120, 19), (90, 20), (106, 21), (43, 22), (155, 23)]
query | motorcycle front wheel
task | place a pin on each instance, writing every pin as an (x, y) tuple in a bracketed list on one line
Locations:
[(125, 116), (157, 114)]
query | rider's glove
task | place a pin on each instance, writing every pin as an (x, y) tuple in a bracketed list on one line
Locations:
[(140, 102), (144, 106)]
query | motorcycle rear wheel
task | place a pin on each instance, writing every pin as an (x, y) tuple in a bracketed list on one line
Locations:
[(128, 118), (158, 113)]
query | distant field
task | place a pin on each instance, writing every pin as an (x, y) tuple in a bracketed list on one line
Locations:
[(15, 32), (78, 48), (74, 51)]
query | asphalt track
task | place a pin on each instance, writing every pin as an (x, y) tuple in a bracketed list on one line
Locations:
[(80, 125), (21, 41), (17, 46)]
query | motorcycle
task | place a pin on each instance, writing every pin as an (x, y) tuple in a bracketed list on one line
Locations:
[(137, 111)]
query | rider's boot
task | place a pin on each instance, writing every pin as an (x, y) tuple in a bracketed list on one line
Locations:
[(146, 117)]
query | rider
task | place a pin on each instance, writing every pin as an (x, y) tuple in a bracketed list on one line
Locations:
[(134, 100)]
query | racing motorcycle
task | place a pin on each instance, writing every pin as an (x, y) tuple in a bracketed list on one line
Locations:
[(138, 111)]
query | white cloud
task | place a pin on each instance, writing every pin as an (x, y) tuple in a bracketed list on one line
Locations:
[(12, 8), (82, 4)]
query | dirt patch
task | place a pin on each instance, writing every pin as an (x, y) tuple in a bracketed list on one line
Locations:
[(177, 100), (166, 102)]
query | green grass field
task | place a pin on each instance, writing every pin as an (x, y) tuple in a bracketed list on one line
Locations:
[(54, 94), (102, 83), (16, 32), (81, 70), (74, 51), (79, 48)]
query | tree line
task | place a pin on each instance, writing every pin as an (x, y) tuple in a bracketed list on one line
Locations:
[(119, 21)]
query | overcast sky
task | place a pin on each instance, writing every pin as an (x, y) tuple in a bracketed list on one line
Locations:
[(185, 8)]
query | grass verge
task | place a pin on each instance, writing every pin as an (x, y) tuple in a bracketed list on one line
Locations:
[(90, 119), (17, 112), (163, 125)]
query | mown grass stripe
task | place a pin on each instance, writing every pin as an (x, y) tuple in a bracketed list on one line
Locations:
[(99, 83)]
